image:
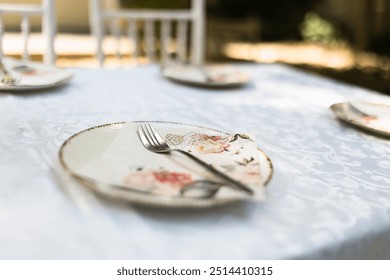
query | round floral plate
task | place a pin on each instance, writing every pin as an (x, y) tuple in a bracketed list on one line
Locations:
[(112, 161), (213, 76), (30, 75), (367, 116)]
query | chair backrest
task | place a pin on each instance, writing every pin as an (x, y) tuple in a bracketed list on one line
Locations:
[(142, 24), (47, 11)]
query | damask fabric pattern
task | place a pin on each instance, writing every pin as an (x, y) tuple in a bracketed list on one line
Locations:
[(329, 197)]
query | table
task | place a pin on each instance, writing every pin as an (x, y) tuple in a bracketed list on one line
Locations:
[(329, 197)]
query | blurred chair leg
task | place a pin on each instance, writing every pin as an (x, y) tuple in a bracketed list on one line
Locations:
[(49, 29), (97, 27)]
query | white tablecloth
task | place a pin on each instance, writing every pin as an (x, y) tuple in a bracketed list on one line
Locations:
[(329, 197)]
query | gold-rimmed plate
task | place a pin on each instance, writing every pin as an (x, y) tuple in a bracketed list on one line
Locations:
[(86, 146), (372, 117)]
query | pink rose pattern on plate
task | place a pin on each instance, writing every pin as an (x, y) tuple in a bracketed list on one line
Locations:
[(26, 70), (207, 144), (203, 143), (168, 182), (158, 181)]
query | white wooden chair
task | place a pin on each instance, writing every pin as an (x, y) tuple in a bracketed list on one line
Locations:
[(47, 11), (147, 20)]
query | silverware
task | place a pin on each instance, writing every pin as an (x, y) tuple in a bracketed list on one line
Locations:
[(153, 142), (359, 112), (203, 72), (7, 78)]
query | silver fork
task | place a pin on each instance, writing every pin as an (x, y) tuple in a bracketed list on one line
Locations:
[(155, 143)]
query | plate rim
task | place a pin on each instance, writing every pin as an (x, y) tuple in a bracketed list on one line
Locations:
[(339, 112), (140, 197)]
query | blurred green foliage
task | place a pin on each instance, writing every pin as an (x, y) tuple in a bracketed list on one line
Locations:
[(315, 28), (280, 19)]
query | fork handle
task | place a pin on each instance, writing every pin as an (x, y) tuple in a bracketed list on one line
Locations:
[(227, 179)]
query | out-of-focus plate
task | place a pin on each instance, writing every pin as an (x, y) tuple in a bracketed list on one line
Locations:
[(33, 75), (379, 123), (212, 76)]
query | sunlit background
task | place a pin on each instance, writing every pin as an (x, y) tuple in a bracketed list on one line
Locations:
[(348, 40)]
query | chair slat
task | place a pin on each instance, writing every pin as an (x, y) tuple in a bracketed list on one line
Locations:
[(49, 30), (25, 28), (30, 9), (97, 27), (47, 12), (181, 47), (182, 19), (149, 14), (165, 40), (116, 32), (198, 31), (149, 39), (133, 36), (1, 36)]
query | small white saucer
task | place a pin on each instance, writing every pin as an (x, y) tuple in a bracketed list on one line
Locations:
[(368, 116)]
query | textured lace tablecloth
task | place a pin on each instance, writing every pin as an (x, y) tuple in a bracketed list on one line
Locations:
[(329, 197)]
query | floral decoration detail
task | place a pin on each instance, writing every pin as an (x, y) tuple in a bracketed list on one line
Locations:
[(26, 70), (230, 158), (245, 168), (369, 118), (203, 143), (210, 144), (245, 162), (175, 179), (157, 181)]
